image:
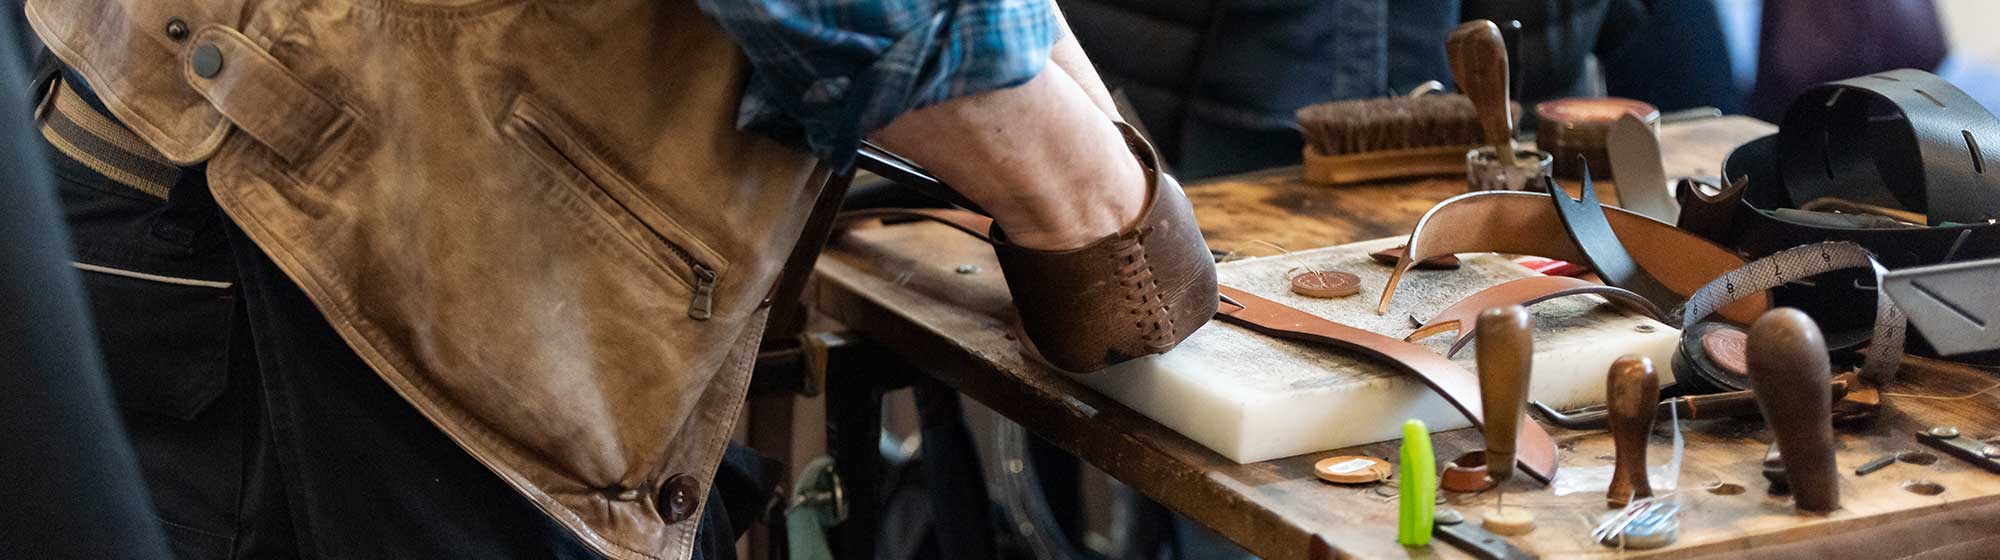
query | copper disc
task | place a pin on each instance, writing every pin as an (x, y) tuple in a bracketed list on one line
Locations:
[(1725, 348), (1326, 284), (1352, 469)]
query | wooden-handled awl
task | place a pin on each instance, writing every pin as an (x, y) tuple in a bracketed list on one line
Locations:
[(1506, 354), (1789, 371), (1631, 394), (1506, 350), (1479, 63)]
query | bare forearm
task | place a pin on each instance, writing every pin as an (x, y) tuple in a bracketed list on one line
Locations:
[(1069, 56), (1043, 157)]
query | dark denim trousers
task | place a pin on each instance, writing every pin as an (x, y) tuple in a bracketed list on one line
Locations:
[(259, 433)]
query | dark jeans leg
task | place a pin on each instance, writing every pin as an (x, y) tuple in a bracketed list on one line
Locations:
[(368, 476)]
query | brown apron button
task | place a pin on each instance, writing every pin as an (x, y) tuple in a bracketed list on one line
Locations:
[(679, 498), (177, 30), (207, 60)]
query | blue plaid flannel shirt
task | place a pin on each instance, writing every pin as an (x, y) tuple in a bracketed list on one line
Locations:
[(834, 71)]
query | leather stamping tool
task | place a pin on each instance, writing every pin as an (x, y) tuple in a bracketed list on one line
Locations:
[(1506, 352), (1790, 373)]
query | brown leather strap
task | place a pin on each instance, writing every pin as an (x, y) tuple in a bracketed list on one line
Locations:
[(1536, 452), (977, 226), (1525, 223), (1524, 292)]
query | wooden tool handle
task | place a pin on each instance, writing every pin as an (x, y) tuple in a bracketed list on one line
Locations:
[(1632, 393), (1790, 375), (1506, 354), (1479, 64), (1719, 405)]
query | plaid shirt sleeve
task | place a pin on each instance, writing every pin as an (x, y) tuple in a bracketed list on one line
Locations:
[(833, 71)]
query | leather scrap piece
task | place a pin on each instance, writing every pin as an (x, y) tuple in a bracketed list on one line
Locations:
[(1525, 223), (1584, 220), (1536, 451)]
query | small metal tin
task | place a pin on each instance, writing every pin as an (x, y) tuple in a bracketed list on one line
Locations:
[(1352, 469), (1483, 171), (1944, 432)]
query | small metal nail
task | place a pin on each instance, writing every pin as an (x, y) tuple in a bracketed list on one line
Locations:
[(968, 269), (1448, 516), (1878, 464), (1944, 432)]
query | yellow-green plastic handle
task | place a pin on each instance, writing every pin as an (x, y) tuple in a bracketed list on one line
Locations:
[(1417, 480)]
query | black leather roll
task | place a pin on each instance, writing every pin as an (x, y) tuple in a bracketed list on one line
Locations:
[(1905, 140)]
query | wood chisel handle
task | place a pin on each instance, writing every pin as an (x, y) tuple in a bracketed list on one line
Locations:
[(1789, 372), (1631, 396), (1720, 405), (1506, 350), (1479, 64)]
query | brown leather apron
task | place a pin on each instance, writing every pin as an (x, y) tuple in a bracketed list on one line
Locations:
[(535, 220)]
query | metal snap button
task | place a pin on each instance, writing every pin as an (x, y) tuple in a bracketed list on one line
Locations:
[(680, 497), (207, 60), (177, 30)]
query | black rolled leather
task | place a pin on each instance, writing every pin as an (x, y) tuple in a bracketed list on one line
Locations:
[(1874, 140)]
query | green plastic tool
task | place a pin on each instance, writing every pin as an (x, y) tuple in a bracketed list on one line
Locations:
[(1416, 485)]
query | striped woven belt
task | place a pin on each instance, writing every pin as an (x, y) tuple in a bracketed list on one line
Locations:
[(79, 131)]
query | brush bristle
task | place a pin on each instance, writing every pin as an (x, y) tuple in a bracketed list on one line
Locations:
[(1391, 123)]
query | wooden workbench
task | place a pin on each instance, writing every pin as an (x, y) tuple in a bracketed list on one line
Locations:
[(910, 288)]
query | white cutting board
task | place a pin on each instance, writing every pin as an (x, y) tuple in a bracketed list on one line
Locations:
[(1251, 397)]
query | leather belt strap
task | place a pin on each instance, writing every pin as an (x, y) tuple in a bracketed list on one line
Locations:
[(1524, 292), (1525, 223), (1535, 450), (1934, 159)]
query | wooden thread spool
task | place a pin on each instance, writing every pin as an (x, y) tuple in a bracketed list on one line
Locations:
[(1632, 394)]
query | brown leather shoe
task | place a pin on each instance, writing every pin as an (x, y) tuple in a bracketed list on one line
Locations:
[(1135, 293)]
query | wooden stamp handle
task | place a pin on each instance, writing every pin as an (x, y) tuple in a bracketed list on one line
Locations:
[(1790, 373), (1479, 63), (1506, 352), (1632, 394)]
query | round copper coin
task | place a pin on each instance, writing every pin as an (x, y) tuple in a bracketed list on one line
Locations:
[(1352, 469), (1326, 284), (1725, 347)]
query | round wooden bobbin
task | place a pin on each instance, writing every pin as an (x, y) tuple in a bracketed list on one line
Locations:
[(1352, 469), (1326, 284), (1509, 522)]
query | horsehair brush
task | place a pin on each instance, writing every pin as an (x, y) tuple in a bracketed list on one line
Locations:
[(1388, 138)]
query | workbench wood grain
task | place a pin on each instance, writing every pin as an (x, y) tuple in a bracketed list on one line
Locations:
[(936, 297)]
